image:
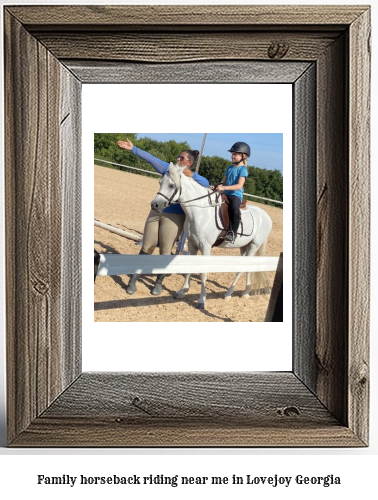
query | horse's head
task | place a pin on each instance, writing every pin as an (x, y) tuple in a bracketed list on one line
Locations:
[(169, 191)]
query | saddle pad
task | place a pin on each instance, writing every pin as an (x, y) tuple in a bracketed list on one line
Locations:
[(246, 225)]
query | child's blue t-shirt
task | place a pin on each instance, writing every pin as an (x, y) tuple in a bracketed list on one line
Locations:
[(161, 167), (233, 175)]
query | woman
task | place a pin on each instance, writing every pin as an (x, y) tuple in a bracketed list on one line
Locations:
[(233, 185), (167, 226)]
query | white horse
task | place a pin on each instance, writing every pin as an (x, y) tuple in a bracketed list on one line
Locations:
[(201, 228)]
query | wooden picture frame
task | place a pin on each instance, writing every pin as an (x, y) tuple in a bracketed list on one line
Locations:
[(323, 51)]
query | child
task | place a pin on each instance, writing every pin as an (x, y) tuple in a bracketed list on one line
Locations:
[(233, 185)]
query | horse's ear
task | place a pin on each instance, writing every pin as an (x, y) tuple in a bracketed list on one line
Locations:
[(172, 167), (174, 173)]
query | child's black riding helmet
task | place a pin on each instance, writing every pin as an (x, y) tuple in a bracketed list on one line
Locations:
[(241, 147)]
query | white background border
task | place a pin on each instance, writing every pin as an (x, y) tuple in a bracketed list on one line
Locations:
[(176, 346)]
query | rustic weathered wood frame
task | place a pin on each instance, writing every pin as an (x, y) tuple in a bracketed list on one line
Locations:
[(49, 52)]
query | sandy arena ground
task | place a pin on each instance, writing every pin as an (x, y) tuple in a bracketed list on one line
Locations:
[(122, 200)]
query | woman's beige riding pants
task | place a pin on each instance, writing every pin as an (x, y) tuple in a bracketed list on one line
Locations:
[(164, 228)]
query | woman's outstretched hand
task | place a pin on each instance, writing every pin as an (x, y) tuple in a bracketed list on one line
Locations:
[(125, 144)]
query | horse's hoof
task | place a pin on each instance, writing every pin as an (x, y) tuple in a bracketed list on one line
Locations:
[(227, 297), (130, 290), (200, 305), (177, 296), (157, 289), (245, 296)]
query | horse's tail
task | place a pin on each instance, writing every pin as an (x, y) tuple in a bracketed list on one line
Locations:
[(260, 282)]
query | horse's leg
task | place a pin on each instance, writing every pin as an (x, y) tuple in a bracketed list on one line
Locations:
[(252, 250), (202, 300), (248, 250), (229, 292), (185, 288), (248, 287)]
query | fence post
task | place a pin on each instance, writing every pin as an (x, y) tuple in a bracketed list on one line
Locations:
[(275, 307)]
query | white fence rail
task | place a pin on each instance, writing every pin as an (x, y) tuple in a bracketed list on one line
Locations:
[(157, 173), (262, 198), (117, 264), (127, 166), (115, 230)]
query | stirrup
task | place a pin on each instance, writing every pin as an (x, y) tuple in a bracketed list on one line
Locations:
[(230, 236)]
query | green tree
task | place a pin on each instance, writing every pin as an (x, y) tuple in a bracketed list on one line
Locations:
[(260, 182), (213, 168)]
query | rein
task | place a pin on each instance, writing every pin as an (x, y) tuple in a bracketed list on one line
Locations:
[(171, 198), (195, 199)]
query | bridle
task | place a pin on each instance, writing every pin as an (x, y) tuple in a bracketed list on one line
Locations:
[(171, 198)]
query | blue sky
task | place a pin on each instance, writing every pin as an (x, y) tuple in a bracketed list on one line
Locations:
[(266, 149)]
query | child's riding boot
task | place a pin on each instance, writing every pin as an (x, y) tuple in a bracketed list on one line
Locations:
[(229, 236), (235, 227), (131, 287), (232, 231)]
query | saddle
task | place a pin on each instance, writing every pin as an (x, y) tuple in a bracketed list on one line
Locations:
[(222, 219)]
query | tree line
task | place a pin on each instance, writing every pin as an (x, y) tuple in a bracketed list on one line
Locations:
[(260, 181)]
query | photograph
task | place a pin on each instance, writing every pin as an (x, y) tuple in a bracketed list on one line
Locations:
[(157, 194)]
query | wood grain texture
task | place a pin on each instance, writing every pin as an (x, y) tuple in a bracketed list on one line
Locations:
[(100, 432), (304, 228), (359, 226), (332, 230), (34, 229), (219, 396), (33, 189), (71, 189), (193, 409), (181, 47), (168, 16), (324, 402), (198, 72)]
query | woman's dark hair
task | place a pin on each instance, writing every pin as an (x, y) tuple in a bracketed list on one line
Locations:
[(192, 155)]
